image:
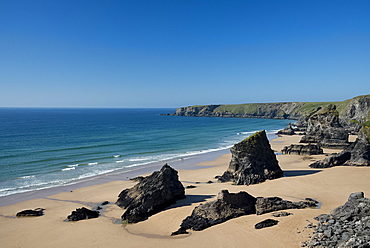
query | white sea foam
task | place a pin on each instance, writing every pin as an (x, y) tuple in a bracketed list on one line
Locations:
[(120, 161), (116, 156), (94, 163), (25, 177), (138, 159), (69, 168), (72, 165)]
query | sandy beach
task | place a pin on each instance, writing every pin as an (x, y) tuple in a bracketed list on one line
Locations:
[(331, 187)]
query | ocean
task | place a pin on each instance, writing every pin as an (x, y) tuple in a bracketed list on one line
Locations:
[(43, 148)]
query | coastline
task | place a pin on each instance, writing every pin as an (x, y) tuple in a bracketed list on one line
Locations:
[(330, 187)]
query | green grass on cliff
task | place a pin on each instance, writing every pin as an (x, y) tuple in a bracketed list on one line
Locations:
[(298, 108)]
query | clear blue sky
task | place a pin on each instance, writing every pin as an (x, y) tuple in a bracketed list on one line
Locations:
[(171, 53)]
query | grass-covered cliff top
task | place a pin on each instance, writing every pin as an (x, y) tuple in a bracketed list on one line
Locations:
[(290, 108)]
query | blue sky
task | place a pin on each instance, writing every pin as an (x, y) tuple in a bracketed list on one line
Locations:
[(176, 53)]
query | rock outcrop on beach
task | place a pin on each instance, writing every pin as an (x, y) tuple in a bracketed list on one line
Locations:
[(310, 149), (83, 214), (232, 205), (346, 226), (324, 128), (31, 213), (227, 206), (357, 154), (266, 223), (270, 204), (253, 161), (151, 195), (288, 130)]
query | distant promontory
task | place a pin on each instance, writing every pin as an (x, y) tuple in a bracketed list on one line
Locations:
[(355, 109)]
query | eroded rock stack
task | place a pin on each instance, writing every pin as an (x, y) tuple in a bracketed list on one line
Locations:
[(324, 128), (232, 205), (346, 226), (253, 161), (357, 154), (151, 195), (310, 149)]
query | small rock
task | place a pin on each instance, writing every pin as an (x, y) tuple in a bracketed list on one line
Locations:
[(82, 214), (266, 223), (31, 213), (191, 187)]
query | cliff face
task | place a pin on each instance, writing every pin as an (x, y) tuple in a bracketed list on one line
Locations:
[(253, 110), (353, 109), (357, 109)]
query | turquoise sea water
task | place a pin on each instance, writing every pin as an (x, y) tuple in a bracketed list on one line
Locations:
[(43, 148)]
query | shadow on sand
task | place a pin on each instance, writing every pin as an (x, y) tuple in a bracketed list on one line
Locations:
[(190, 199), (297, 173)]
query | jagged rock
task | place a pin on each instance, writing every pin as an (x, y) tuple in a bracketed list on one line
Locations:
[(151, 195), (357, 154), (288, 130), (346, 226), (270, 204), (31, 213), (227, 206), (357, 110), (253, 161), (266, 223), (324, 128), (309, 149), (104, 203), (83, 214)]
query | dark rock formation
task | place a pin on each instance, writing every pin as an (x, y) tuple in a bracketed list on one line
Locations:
[(270, 204), (253, 161), (227, 206), (309, 149), (266, 223), (151, 195), (288, 130), (357, 154), (31, 213), (281, 214), (83, 214), (324, 128), (104, 203), (137, 179), (345, 226)]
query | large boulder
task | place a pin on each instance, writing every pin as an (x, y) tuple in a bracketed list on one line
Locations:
[(310, 149), (227, 206), (253, 161), (151, 195), (324, 128), (357, 154)]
